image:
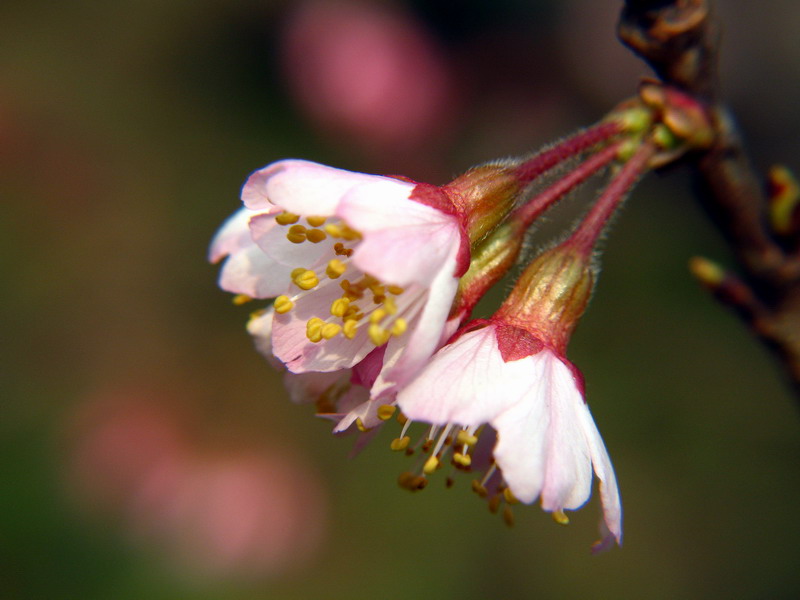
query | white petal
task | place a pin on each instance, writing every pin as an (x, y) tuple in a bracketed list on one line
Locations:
[(255, 274), (404, 241), (301, 187), (568, 467), (234, 235), (466, 383), (609, 492), (271, 239)]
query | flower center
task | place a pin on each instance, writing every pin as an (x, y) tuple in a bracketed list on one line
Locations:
[(460, 449), (364, 300)]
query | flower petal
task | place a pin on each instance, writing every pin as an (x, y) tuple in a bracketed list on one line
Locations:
[(234, 235), (466, 382), (271, 239), (301, 187), (255, 274), (404, 241), (611, 527), (568, 467)]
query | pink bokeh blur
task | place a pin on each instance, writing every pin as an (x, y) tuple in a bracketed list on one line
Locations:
[(240, 513)]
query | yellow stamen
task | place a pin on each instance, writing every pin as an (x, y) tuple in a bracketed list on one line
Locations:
[(315, 236), (494, 503), (390, 305), (399, 327), (430, 465), (340, 250), (479, 488), (350, 329), (314, 329), (297, 271), (377, 315), (401, 418), (287, 218), (283, 304), (509, 496), (360, 425), (400, 443), (508, 516), (296, 234), (316, 221), (464, 460), (385, 411), (560, 518), (339, 307), (395, 289), (333, 231), (330, 330), (335, 268), (378, 335), (465, 439), (240, 299), (306, 280)]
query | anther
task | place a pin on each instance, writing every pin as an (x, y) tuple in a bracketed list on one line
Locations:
[(400, 443), (430, 465), (385, 411), (339, 248), (479, 488), (389, 304), (360, 424), (494, 504), (315, 236), (394, 289), (240, 299), (283, 304), (560, 518), (350, 328), (339, 307), (378, 335), (296, 272), (306, 280), (464, 460), (464, 438), (508, 516), (401, 418), (509, 496), (314, 329), (296, 234), (334, 231), (399, 327), (335, 268), (316, 221), (331, 330), (377, 315), (287, 218)]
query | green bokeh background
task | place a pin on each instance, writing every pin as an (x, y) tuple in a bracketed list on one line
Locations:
[(126, 130)]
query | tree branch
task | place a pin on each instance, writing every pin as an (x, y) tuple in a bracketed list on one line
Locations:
[(679, 40)]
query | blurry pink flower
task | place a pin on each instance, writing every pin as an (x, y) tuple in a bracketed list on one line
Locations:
[(375, 262), (241, 514), (368, 71), (247, 513)]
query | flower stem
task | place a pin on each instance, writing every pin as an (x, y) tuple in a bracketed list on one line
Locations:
[(585, 236), (526, 214), (546, 160)]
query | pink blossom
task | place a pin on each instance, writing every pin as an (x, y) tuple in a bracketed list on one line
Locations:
[(354, 262), (547, 443)]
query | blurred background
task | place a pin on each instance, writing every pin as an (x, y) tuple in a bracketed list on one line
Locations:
[(149, 451)]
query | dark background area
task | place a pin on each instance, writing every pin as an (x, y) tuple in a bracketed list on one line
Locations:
[(149, 451)]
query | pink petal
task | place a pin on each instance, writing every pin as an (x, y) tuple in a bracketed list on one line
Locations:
[(255, 274), (260, 328), (271, 239), (305, 388), (427, 333), (298, 353), (568, 468), (466, 383), (234, 235), (301, 187), (404, 241), (609, 492)]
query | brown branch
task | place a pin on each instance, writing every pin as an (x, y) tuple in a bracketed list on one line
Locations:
[(679, 40)]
